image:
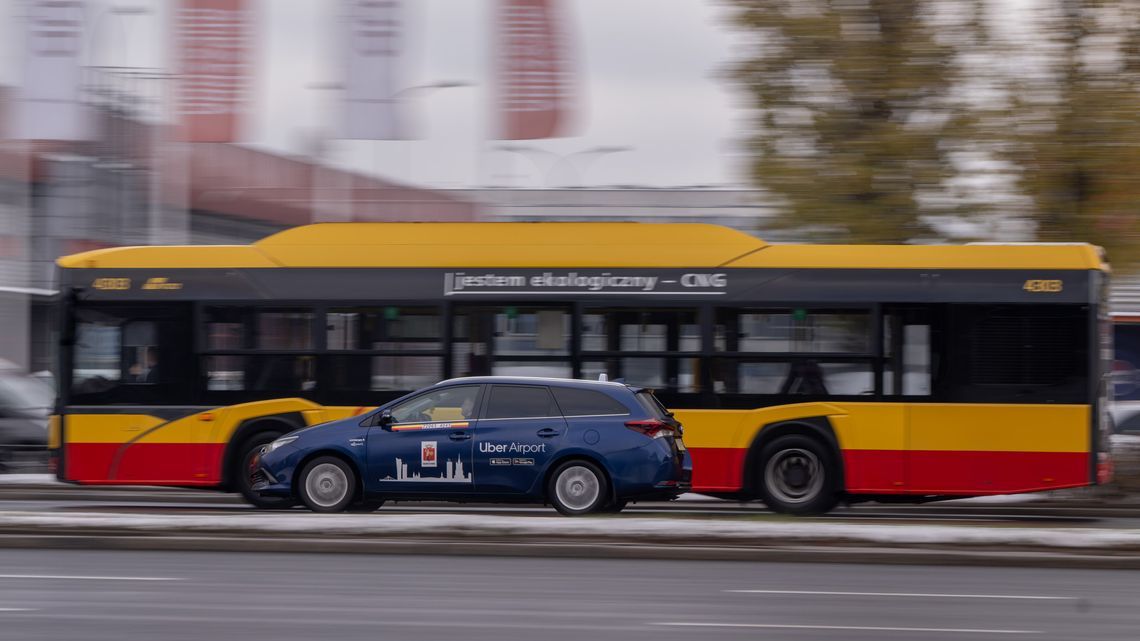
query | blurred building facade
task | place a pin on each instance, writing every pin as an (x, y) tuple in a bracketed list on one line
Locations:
[(125, 188), (743, 209), (131, 186)]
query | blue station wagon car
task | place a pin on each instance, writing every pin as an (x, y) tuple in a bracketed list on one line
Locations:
[(581, 446)]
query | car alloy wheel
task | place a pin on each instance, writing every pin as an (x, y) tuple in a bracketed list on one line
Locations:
[(578, 487), (327, 484)]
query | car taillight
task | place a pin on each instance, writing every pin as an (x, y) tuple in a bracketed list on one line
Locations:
[(653, 428)]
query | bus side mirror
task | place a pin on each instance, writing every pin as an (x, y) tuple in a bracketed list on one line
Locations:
[(384, 419)]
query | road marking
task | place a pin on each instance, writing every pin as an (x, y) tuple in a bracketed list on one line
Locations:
[(1031, 597), (859, 628), (18, 610), (87, 578)]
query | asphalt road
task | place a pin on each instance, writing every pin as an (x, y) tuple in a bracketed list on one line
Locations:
[(155, 596)]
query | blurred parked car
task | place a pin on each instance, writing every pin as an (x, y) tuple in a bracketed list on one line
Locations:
[(1125, 417), (25, 405)]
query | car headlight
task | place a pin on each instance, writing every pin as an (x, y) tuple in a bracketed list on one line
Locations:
[(284, 440)]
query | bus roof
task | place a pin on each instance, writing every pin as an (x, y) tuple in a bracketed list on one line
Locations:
[(452, 245), (584, 245)]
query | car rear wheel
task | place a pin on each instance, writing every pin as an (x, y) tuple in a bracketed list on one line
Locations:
[(577, 487), (797, 476), (327, 484), (243, 473)]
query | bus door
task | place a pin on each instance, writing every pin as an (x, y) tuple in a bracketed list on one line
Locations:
[(909, 336), (130, 414), (512, 340)]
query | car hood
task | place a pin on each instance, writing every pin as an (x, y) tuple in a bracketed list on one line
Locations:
[(321, 430)]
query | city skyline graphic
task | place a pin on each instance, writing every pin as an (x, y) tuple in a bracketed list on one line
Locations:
[(453, 473)]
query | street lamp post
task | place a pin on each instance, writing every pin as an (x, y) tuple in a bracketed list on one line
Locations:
[(408, 91), (396, 98)]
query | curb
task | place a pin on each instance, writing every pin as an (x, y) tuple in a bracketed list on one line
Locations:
[(575, 549)]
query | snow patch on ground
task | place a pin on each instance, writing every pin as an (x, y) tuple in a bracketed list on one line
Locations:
[(428, 526), (1004, 499), (29, 479)]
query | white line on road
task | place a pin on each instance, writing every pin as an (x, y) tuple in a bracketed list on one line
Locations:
[(859, 628), (87, 578), (1032, 597), (18, 610)]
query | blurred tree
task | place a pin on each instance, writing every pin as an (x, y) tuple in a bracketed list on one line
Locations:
[(854, 113), (881, 120), (1073, 128)]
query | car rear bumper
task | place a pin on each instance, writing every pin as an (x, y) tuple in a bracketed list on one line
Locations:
[(671, 478)]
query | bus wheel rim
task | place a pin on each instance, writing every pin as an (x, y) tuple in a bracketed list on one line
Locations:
[(794, 475), (577, 488), (326, 485)]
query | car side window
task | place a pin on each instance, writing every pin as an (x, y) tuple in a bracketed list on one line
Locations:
[(449, 404), (520, 401), (585, 402)]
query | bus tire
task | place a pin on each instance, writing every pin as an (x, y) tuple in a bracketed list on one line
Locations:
[(241, 473), (797, 475)]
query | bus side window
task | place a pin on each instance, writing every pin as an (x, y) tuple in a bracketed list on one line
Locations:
[(98, 347), (916, 360), (140, 353), (908, 339)]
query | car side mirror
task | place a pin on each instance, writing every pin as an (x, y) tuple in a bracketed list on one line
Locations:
[(384, 419)]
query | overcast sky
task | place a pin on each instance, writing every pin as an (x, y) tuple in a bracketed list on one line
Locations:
[(648, 77)]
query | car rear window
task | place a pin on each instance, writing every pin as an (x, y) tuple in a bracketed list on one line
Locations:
[(584, 402), (520, 401), (650, 403)]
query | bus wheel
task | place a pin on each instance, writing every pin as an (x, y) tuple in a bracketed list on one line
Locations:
[(327, 484), (242, 473), (797, 476)]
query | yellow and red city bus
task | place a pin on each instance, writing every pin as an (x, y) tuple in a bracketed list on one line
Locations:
[(803, 374)]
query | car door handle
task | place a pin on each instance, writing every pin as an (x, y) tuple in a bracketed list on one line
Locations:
[(459, 436), (548, 432)]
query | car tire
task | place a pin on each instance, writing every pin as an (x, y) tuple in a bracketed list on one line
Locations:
[(241, 473), (797, 475), (327, 484), (577, 487), (615, 506), (365, 507)]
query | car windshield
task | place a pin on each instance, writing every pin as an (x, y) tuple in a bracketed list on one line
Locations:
[(25, 393)]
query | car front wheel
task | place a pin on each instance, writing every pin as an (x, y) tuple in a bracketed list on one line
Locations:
[(327, 484), (578, 487)]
